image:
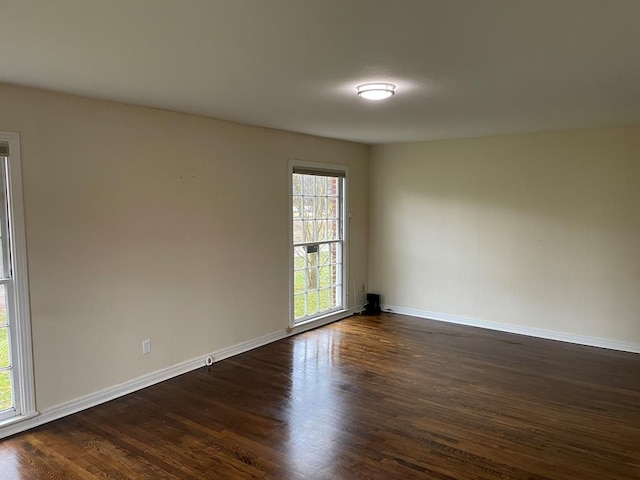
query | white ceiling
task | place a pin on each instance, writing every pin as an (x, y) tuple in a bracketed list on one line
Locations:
[(463, 67)]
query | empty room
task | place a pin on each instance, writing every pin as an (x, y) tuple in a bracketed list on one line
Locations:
[(320, 239)]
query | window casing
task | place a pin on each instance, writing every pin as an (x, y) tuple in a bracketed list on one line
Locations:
[(16, 363), (318, 240)]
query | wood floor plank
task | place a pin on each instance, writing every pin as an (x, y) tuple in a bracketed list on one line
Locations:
[(384, 397)]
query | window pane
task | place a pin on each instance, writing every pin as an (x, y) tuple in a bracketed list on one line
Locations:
[(336, 278), (3, 270), (309, 184), (309, 207), (333, 187), (3, 305), (336, 297), (298, 233), (312, 278), (297, 184), (299, 282), (298, 258), (297, 208), (312, 303), (325, 277), (4, 347), (312, 259), (325, 254), (308, 231), (321, 185), (298, 306), (325, 300), (332, 208), (335, 253), (6, 400), (321, 207), (333, 230), (321, 230)]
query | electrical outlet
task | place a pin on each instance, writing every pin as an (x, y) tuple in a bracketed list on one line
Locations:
[(146, 346)]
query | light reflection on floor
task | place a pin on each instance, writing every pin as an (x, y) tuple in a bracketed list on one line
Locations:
[(317, 407), (9, 463)]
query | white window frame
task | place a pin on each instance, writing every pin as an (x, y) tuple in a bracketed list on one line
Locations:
[(18, 292), (333, 315)]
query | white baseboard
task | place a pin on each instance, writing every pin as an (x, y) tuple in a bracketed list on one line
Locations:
[(17, 425), (521, 330), (332, 317)]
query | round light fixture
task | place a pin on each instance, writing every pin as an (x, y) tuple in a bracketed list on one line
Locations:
[(376, 91)]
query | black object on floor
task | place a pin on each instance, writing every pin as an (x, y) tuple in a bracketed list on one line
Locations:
[(373, 304)]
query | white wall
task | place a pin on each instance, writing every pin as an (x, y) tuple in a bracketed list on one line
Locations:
[(143, 223), (539, 230)]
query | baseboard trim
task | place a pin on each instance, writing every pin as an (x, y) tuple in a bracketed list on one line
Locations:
[(518, 329), (333, 317), (111, 393)]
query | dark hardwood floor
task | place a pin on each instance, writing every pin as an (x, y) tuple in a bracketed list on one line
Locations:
[(388, 397)]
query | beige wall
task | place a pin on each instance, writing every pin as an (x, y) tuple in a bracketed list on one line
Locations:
[(539, 230), (143, 223)]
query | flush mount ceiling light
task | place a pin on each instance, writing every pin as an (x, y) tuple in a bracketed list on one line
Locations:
[(376, 91)]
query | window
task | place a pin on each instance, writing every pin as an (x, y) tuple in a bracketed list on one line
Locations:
[(318, 243), (16, 362)]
